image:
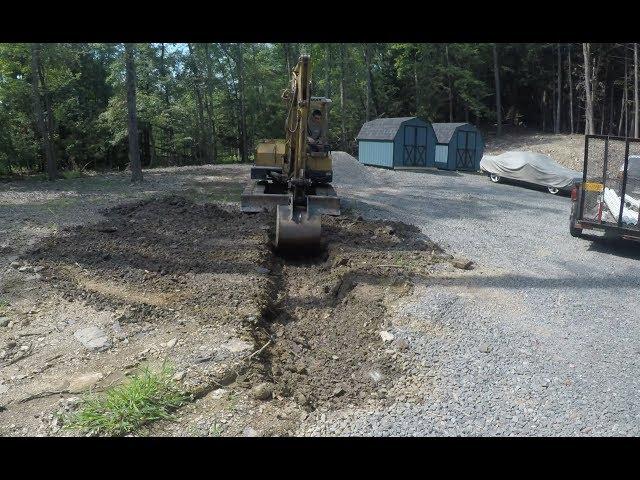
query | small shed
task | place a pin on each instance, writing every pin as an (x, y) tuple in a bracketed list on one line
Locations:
[(407, 142), (459, 146)]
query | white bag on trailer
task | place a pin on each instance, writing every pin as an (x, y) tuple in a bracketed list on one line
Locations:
[(612, 200)]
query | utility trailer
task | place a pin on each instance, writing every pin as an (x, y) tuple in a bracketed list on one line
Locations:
[(608, 198)]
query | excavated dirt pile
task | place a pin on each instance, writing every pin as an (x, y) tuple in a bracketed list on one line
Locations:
[(201, 286)]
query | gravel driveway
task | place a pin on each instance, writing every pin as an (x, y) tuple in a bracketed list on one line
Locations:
[(541, 338)]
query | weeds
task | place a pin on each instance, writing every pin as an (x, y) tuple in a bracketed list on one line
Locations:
[(146, 397)]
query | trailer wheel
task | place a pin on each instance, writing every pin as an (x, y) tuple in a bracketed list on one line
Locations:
[(553, 190), (494, 178), (573, 230)]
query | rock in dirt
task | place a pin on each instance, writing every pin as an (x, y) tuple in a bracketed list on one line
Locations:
[(485, 348), (108, 229), (386, 336), (250, 432), (171, 343), (84, 382), (93, 338), (4, 321), (338, 392), (376, 376), (236, 345), (263, 391), (463, 264), (3, 388)]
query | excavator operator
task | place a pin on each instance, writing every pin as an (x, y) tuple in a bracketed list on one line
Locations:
[(314, 132)]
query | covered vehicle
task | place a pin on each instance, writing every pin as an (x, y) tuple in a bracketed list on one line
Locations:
[(532, 168)]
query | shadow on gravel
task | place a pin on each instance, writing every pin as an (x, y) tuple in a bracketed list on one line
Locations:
[(619, 248)]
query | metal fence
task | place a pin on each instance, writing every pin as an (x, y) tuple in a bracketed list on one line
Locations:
[(611, 184)]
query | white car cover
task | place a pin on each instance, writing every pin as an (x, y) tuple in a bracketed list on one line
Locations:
[(530, 167)]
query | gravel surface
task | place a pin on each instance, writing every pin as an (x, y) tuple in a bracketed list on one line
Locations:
[(541, 338)]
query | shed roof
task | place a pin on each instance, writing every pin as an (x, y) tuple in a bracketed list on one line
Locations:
[(444, 131), (381, 128)]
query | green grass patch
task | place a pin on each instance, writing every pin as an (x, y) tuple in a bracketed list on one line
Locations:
[(146, 397)]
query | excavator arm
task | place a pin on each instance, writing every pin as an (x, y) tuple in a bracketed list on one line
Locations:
[(297, 183)]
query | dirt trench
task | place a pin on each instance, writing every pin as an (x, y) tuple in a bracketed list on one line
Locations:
[(324, 328), (201, 286)]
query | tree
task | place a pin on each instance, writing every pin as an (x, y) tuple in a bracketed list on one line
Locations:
[(370, 95), (45, 127), (343, 130), (589, 126), (134, 150), (570, 78), (497, 83), (636, 128), (556, 128)]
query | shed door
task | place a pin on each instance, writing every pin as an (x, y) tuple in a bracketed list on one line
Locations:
[(415, 146), (466, 150)]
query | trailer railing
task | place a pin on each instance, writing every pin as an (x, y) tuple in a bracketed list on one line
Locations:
[(611, 196)]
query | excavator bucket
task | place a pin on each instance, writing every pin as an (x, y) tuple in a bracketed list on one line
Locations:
[(297, 227)]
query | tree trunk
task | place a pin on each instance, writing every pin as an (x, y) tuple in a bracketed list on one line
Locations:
[(636, 109), (43, 127), (611, 111), (570, 77), (243, 115), (167, 94), (134, 150), (544, 110), (496, 73), (343, 130), (625, 98), (209, 105), (416, 81), (589, 127), (327, 77), (203, 149), (450, 88), (556, 128), (369, 92), (622, 102)]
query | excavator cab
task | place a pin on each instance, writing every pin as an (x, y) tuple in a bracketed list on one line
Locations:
[(319, 162), (290, 176)]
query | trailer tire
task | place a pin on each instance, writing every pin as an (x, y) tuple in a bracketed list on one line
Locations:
[(573, 230)]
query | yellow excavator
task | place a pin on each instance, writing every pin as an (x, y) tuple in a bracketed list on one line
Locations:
[(294, 175)]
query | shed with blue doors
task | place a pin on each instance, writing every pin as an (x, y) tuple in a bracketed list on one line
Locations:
[(459, 146), (407, 142)]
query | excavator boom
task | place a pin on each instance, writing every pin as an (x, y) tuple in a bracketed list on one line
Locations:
[(296, 177)]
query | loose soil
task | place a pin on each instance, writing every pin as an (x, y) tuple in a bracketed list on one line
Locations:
[(199, 286)]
